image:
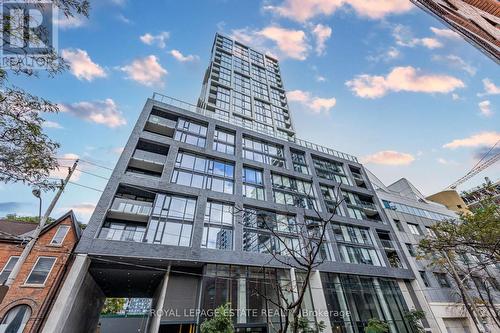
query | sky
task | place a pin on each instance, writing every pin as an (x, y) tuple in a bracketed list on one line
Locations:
[(380, 79)]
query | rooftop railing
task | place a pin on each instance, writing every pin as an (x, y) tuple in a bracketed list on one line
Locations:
[(251, 126)]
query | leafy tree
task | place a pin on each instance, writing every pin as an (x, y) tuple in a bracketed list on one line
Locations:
[(468, 248), (221, 322), (413, 317), (27, 154), (113, 306), (304, 326), (376, 326), (29, 219)]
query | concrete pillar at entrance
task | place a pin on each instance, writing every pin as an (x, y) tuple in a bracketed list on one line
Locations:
[(319, 301), (154, 324), (56, 321)]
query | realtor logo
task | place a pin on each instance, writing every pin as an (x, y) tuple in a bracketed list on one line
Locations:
[(28, 33)]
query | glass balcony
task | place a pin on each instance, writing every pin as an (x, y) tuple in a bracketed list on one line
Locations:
[(388, 244), (131, 210), (122, 235), (161, 125), (150, 157)]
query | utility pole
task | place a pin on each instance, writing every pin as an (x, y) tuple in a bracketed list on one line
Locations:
[(38, 229)]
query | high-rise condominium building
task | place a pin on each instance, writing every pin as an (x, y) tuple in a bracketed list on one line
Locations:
[(181, 219), (478, 21)]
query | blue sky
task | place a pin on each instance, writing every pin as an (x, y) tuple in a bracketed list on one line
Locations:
[(378, 79)]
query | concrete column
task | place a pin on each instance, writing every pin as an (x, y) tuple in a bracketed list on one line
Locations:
[(242, 300), (154, 324), (319, 301), (59, 314)]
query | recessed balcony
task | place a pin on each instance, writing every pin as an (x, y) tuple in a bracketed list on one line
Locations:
[(130, 210), (161, 125), (147, 160)]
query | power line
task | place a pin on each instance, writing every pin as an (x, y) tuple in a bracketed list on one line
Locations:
[(85, 186)]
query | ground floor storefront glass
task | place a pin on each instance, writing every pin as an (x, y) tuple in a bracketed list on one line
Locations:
[(353, 300)]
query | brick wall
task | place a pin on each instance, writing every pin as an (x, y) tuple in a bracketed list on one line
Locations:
[(37, 297)]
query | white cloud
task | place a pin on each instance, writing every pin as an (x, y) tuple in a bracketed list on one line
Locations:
[(118, 150), (70, 22), (386, 55), (83, 210), (445, 33), (320, 78), (66, 161), (404, 37), (51, 124), (444, 161), (321, 34), (81, 65), (158, 40), (304, 10), (281, 42), (124, 19), (402, 79), (146, 71), (456, 62), (475, 140), (315, 104), (183, 58), (455, 97), (489, 88), (100, 112), (485, 108), (389, 157)]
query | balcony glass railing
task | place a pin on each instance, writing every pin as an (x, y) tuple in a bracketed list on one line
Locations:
[(129, 206), (122, 235), (149, 157), (161, 121), (386, 243), (250, 125)]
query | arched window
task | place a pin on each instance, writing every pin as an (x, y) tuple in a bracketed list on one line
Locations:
[(15, 320)]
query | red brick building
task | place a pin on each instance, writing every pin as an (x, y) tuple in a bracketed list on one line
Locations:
[(30, 297)]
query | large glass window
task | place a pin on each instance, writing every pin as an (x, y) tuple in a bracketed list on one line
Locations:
[(201, 172), (172, 221), (225, 76), (223, 141), (358, 255), (331, 170), (352, 234), (414, 229), (253, 183), (263, 152), (314, 231), (269, 232), (299, 162), (332, 198), (353, 300), (260, 90), (222, 98), (16, 319), (258, 74), (218, 228), (415, 211), (263, 112), (190, 132), (7, 269), (361, 207), (257, 57), (242, 104), (240, 51), (295, 192), (41, 270), (242, 66), (241, 84), (123, 231)]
